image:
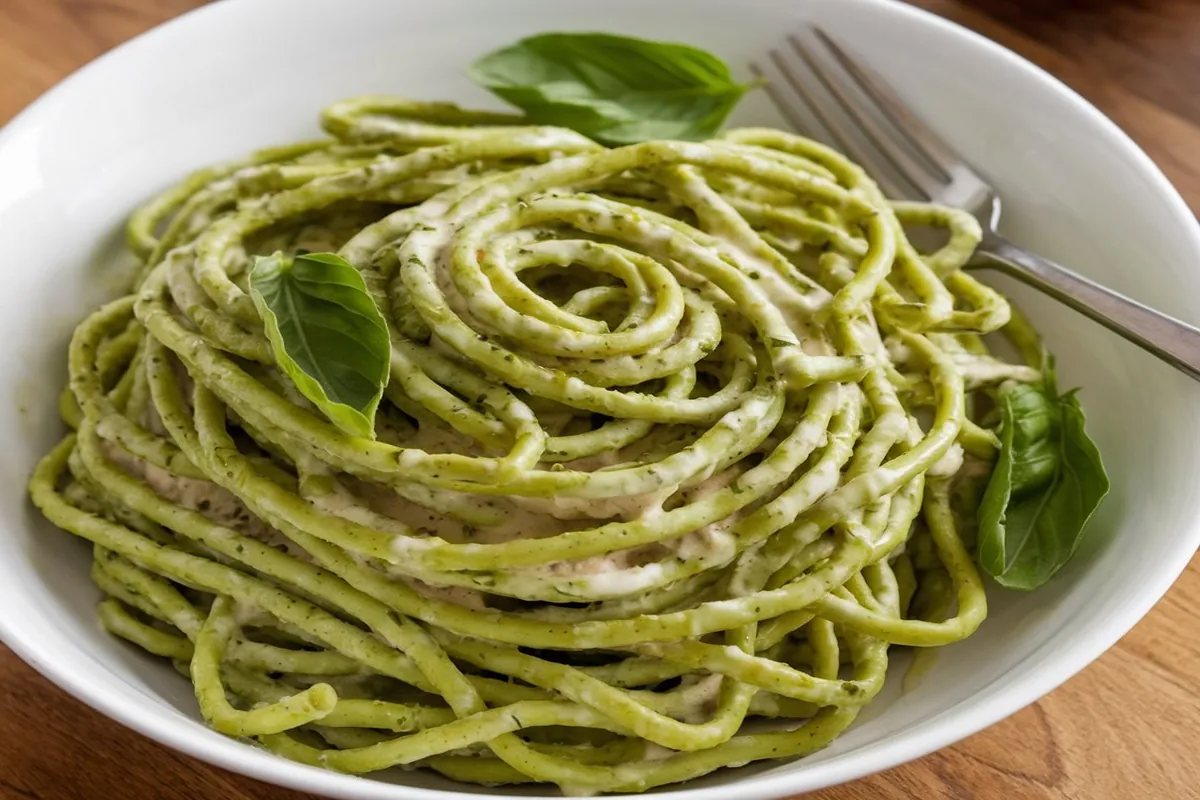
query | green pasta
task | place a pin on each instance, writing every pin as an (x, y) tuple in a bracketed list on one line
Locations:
[(675, 447)]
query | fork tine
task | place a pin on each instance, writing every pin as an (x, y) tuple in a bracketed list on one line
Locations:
[(794, 117), (834, 131), (924, 141), (887, 137)]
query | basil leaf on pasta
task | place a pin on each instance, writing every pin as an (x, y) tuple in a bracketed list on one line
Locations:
[(614, 89), (326, 333), (1046, 483)]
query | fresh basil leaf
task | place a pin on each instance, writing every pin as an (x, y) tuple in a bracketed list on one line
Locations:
[(1047, 482), (326, 333), (614, 89)]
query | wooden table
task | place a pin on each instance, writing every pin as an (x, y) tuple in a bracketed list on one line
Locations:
[(1127, 727)]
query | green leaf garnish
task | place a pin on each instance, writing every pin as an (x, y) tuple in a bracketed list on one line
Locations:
[(1046, 484), (614, 89), (326, 333)]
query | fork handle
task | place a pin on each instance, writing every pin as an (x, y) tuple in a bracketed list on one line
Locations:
[(1173, 341)]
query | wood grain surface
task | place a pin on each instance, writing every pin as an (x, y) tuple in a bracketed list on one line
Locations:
[(1127, 727)]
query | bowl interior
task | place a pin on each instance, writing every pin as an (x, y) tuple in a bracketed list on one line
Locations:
[(1075, 189)]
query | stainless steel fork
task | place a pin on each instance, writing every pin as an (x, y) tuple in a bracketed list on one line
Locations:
[(868, 122)]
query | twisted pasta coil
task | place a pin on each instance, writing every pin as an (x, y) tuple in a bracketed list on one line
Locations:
[(677, 442)]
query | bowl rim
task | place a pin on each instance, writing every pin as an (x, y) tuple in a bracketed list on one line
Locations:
[(999, 701)]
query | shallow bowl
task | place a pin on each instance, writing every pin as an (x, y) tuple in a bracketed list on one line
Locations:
[(231, 77)]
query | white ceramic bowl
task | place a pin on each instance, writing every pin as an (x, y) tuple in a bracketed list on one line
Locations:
[(235, 76)]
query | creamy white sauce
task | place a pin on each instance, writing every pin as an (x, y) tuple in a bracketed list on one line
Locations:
[(209, 499), (699, 694), (551, 139), (949, 464), (656, 752), (693, 151), (458, 595)]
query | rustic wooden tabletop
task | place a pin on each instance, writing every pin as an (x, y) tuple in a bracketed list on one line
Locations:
[(1127, 727)]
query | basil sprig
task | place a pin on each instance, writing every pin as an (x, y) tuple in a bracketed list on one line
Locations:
[(614, 89), (1047, 482), (327, 335)]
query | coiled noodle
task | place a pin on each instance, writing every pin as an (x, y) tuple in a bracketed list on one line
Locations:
[(679, 440)]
